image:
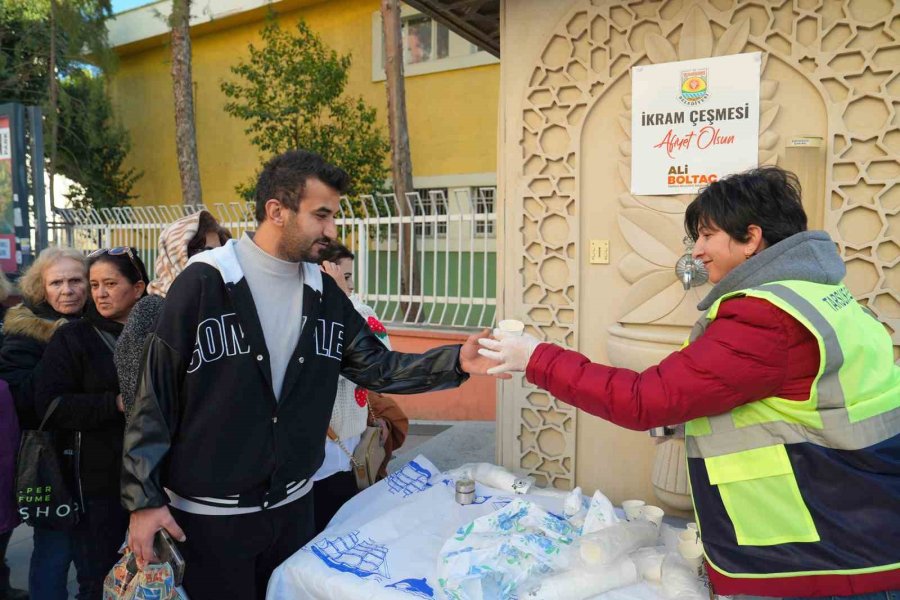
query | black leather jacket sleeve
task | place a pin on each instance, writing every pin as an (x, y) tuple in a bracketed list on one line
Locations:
[(151, 427), (368, 363)]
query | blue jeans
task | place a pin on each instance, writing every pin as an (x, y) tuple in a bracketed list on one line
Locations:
[(895, 595), (49, 567)]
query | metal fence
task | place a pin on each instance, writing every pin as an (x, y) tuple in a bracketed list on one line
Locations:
[(451, 257)]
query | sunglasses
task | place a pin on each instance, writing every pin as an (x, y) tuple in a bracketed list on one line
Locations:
[(119, 251)]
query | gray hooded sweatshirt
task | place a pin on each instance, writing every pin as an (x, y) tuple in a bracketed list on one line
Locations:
[(805, 256)]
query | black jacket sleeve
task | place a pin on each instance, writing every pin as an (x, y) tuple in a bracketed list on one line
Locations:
[(151, 425), (59, 375), (368, 363), (153, 419)]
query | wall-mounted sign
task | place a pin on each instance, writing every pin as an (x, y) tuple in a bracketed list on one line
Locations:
[(693, 122)]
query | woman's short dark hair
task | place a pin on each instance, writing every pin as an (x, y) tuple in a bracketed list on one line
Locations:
[(768, 197), (132, 271), (334, 252), (284, 179), (206, 224)]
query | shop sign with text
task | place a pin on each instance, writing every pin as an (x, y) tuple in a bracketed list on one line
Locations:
[(693, 122)]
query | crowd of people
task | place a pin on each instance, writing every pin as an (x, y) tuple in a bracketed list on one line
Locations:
[(208, 400), (224, 400)]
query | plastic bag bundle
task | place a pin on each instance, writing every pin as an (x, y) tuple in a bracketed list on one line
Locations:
[(499, 554), (493, 476), (612, 543), (582, 583), (680, 581)]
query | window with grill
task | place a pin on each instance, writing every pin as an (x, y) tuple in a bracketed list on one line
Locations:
[(483, 203), (431, 202)]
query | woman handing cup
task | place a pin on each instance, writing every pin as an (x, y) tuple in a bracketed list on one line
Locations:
[(787, 385)]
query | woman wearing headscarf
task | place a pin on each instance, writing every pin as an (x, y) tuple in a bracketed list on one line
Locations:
[(178, 242), (790, 396), (78, 378), (54, 292)]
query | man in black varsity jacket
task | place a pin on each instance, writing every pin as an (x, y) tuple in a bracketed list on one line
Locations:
[(238, 383)]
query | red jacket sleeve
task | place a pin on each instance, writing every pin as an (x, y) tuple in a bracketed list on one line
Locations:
[(742, 357)]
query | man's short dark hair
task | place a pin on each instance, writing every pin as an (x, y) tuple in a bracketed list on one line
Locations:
[(768, 197), (284, 179), (334, 252)]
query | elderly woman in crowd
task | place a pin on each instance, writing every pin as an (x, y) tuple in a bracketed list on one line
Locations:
[(54, 291), (790, 394), (77, 370), (178, 242)]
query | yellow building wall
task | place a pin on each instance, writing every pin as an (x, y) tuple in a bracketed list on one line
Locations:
[(452, 114)]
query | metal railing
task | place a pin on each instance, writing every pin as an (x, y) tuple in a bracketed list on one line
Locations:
[(451, 263)]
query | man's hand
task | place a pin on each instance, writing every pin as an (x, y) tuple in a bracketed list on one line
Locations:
[(142, 529), (474, 363), (120, 403), (508, 352), (336, 274)]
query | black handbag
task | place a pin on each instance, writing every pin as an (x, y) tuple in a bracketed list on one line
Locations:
[(48, 486)]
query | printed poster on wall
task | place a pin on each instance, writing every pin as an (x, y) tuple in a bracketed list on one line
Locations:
[(6, 187), (693, 122)]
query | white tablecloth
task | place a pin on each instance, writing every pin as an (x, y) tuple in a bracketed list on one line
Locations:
[(384, 543)]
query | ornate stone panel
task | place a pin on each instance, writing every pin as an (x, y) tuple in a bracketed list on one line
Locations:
[(847, 51)]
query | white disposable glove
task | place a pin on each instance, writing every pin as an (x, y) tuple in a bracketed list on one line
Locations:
[(512, 351)]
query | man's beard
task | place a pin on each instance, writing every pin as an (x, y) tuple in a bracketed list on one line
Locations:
[(294, 251)]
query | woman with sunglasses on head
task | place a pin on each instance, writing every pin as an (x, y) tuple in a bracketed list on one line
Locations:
[(178, 242), (77, 370)]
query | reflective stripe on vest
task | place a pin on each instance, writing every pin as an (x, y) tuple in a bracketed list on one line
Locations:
[(719, 435)]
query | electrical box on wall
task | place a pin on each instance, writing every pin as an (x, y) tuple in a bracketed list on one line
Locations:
[(599, 252)]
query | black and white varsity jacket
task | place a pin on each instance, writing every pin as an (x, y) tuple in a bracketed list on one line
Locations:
[(206, 426)]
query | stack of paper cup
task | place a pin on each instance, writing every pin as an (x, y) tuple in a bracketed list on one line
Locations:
[(511, 326), (632, 509), (691, 549)]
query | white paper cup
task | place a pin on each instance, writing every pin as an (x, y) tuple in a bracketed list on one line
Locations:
[(632, 509), (687, 535), (654, 514), (511, 326), (692, 553)]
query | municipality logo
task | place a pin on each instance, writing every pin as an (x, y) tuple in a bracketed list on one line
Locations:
[(694, 86)]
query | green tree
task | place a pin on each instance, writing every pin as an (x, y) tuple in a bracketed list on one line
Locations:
[(92, 144), (291, 93), (48, 52)]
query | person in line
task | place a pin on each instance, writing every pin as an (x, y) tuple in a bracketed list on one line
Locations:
[(9, 442), (77, 368), (238, 385), (354, 408), (790, 396), (54, 292), (178, 242)]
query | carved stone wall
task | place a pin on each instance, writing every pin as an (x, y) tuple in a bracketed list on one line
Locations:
[(831, 65)]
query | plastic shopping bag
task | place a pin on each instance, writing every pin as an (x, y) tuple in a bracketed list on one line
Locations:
[(125, 581)]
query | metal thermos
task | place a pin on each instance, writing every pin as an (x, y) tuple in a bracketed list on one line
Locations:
[(465, 491)]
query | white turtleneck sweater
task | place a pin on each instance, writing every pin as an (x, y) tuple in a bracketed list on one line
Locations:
[(277, 289)]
